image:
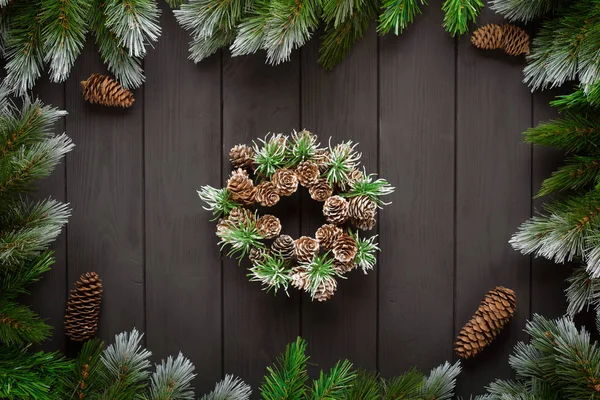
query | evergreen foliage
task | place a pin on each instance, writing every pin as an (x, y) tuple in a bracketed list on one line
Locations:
[(272, 271)]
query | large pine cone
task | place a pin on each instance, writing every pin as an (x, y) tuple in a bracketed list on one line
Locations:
[(344, 248), (241, 216), (307, 173), (516, 40), (103, 90), (335, 210), (241, 187), (496, 309), (300, 278), (83, 308), (305, 249), (326, 290), (327, 234), (488, 37), (267, 194), (362, 208), (321, 190), (284, 246), (268, 226), (285, 181), (512, 39), (241, 156), (256, 255)]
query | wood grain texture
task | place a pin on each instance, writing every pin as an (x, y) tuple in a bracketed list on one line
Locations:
[(182, 133), (258, 99), (342, 104), (104, 175), (493, 196), (417, 229)]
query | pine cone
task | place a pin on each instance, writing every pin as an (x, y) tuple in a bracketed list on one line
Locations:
[(284, 246), (326, 290), (343, 267), (512, 39), (344, 248), (241, 187), (83, 308), (267, 194), (241, 156), (305, 249), (321, 190), (103, 90), (268, 226), (241, 216), (222, 226), (355, 176), (307, 173), (322, 157), (285, 181), (364, 224), (300, 278), (327, 234), (488, 37), (496, 309), (256, 254), (335, 210), (362, 208), (516, 40)]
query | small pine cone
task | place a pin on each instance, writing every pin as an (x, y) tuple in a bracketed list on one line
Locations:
[(364, 224), (326, 290), (321, 190), (327, 234), (256, 254), (285, 181), (307, 173), (496, 309), (322, 157), (222, 226), (488, 37), (355, 176), (300, 278), (284, 246), (305, 249), (241, 216), (241, 156), (267, 194), (344, 248), (515, 40), (103, 90), (362, 208), (343, 267), (268, 226), (83, 308), (335, 210), (241, 187)]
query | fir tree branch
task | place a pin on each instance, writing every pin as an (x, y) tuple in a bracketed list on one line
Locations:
[(286, 379), (581, 99), (366, 386), (86, 381), (134, 22), (13, 283), (172, 379), (459, 13), (19, 325), (583, 291), (272, 271), (251, 30), (572, 133), (578, 173), (524, 10), (230, 388), (441, 382), (405, 386), (332, 386), (398, 14), (207, 18), (204, 47)]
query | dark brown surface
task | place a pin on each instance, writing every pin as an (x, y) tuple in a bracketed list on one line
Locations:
[(439, 119)]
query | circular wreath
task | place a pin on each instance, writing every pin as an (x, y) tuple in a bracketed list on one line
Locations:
[(274, 168)]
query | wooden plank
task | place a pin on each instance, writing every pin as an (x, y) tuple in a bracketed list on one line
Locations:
[(258, 99), (417, 230), (104, 186), (182, 151), (342, 104), (48, 296), (493, 196)]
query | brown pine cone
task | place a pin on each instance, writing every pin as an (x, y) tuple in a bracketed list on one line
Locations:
[(267, 194), (364, 224), (322, 157), (326, 290), (307, 173), (321, 190), (241, 187), (362, 208), (516, 40), (305, 249), (488, 37), (103, 90), (222, 226), (241, 156), (300, 278), (284, 246), (344, 248), (285, 181), (83, 308), (343, 267), (327, 234), (496, 309), (268, 226), (256, 255), (241, 216), (335, 210)]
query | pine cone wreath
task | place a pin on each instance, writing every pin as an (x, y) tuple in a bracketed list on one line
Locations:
[(516, 40), (321, 190), (83, 308), (496, 309), (241, 187), (103, 90), (241, 156), (307, 173), (241, 216), (335, 210), (284, 246), (267, 194), (326, 290), (285, 181), (344, 248), (268, 226), (512, 39), (305, 249), (362, 208), (327, 234)]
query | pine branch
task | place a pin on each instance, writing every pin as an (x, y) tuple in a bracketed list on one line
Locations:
[(230, 388), (583, 291), (19, 325), (134, 22), (272, 271), (332, 386), (204, 47), (578, 173), (398, 14), (13, 283), (86, 380), (459, 13), (65, 27), (581, 100), (286, 379), (251, 30), (217, 200), (572, 133), (524, 10), (207, 18), (441, 382), (406, 386), (366, 386), (172, 379)]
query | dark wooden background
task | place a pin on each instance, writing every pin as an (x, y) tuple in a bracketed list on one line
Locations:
[(439, 119)]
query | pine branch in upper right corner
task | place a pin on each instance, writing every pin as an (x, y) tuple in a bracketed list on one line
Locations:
[(524, 10)]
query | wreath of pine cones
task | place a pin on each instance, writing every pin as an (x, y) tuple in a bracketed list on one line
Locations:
[(274, 168)]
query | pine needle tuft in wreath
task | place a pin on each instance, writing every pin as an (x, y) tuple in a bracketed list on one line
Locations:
[(276, 167)]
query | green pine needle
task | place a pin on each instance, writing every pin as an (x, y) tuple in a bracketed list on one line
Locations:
[(240, 237), (172, 379), (396, 15), (334, 385), (321, 273), (524, 10), (365, 256), (272, 271), (373, 189), (578, 173), (405, 386), (286, 379), (459, 13), (230, 388), (218, 201), (572, 133), (270, 154), (342, 161), (19, 325), (302, 147), (134, 22)]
